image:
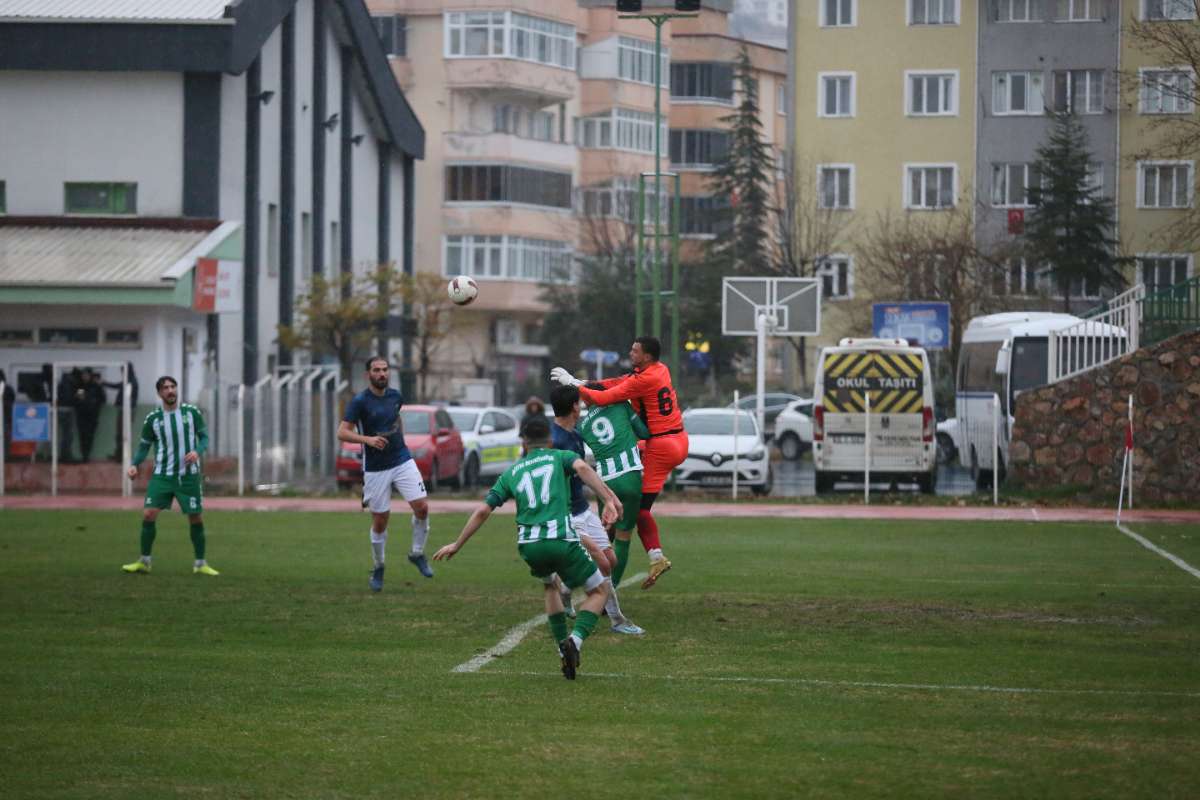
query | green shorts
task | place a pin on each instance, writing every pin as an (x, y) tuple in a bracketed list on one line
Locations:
[(628, 489), (165, 488), (572, 563)]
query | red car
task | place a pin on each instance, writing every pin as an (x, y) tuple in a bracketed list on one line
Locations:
[(435, 444)]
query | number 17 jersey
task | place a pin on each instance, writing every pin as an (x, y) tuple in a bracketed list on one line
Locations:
[(540, 483)]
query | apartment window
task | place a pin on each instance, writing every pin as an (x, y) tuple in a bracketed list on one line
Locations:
[(1168, 9), (1166, 91), (932, 12), (835, 186), (393, 33), (1079, 10), (929, 186), (479, 33), (1014, 278), (100, 198), (709, 81), (698, 148), (618, 199), (781, 99), (1080, 91), (508, 258), (1018, 10), (510, 35), (503, 183), (622, 129), (1010, 184), (481, 256), (702, 216), (932, 93), (1160, 272), (1093, 181), (538, 125), (836, 94), (1017, 93), (1165, 184), (272, 240), (635, 61), (837, 13), (837, 277), (72, 336)]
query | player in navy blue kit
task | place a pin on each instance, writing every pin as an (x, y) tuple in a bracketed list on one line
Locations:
[(373, 420)]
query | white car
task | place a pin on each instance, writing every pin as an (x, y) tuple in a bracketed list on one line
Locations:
[(793, 429), (491, 441), (711, 446), (947, 440)]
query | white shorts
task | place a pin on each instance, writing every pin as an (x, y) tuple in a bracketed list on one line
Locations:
[(377, 486), (589, 525)]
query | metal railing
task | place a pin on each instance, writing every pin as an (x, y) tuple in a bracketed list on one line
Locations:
[(1102, 337), (1170, 311)]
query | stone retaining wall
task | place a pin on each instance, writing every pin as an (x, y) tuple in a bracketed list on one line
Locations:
[(1072, 433)]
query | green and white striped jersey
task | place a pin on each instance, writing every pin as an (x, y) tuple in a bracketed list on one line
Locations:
[(540, 483), (612, 432), (173, 434)]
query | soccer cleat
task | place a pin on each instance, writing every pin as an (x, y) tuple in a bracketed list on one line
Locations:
[(657, 568), (421, 564), (570, 658), (376, 582), (628, 628), (204, 569), (137, 566)]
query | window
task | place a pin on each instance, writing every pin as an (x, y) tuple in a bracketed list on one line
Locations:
[(837, 13), (622, 129), (1094, 180), (702, 216), (1010, 184), (635, 61), (837, 277), (1018, 10), (306, 251), (1014, 278), (100, 198), (508, 258), (272, 240), (932, 12), (1080, 91), (1165, 184), (1168, 9), (72, 336), (618, 199), (15, 336), (503, 183), (335, 250), (926, 276), (712, 82), (835, 94), (123, 337), (835, 185), (698, 148), (931, 93), (929, 186), (781, 99), (393, 33), (1163, 271), (1017, 93), (1167, 91), (508, 34), (1079, 10), (538, 125)]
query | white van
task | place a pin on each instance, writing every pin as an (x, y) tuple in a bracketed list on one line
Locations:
[(896, 376)]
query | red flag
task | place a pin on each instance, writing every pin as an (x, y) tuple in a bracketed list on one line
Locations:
[(1129, 435)]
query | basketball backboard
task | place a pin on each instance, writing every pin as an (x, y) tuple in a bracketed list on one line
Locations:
[(794, 302)]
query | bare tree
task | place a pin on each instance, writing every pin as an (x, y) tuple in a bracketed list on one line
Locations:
[(432, 309)]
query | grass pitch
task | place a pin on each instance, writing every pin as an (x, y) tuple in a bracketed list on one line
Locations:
[(784, 659)]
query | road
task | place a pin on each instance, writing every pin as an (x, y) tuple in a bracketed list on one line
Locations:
[(795, 479)]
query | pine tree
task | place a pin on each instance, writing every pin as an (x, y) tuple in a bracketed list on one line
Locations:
[(1072, 224)]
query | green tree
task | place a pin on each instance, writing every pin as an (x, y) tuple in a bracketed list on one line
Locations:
[(1072, 224)]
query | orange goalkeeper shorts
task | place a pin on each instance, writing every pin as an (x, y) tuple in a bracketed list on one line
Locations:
[(660, 455)]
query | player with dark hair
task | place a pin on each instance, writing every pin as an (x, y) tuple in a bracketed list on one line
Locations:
[(653, 396), (546, 540), (179, 437), (373, 420)]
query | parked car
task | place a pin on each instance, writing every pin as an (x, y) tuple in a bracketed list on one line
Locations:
[(773, 405), (793, 429), (491, 440), (435, 444), (711, 446), (947, 435)]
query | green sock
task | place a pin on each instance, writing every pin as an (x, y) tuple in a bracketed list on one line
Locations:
[(558, 626), (585, 622), (148, 534), (197, 530), (621, 548)]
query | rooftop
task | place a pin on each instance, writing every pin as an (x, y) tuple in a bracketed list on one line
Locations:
[(113, 10)]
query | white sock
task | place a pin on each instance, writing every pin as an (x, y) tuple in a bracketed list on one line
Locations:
[(612, 606), (655, 554), (420, 528), (378, 542), (200, 562), (145, 560), (578, 642)]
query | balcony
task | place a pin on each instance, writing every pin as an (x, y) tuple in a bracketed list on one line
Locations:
[(513, 80), (506, 147)]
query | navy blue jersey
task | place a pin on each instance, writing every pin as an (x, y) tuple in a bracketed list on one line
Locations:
[(564, 439), (376, 415)]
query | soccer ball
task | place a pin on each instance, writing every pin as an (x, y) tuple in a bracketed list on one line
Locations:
[(462, 290)]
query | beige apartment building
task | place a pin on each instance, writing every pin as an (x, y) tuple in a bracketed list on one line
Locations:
[(539, 118)]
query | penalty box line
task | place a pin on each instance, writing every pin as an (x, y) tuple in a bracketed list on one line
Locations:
[(514, 637), (1152, 547)]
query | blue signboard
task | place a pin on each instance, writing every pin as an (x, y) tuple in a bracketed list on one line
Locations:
[(923, 324), (609, 357), (31, 422)]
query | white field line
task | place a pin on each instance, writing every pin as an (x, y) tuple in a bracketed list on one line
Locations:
[(1152, 547), (929, 687), (514, 637)]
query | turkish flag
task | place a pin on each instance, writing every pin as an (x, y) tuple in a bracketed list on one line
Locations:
[(204, 290), (1129, 435), (1016, 221)]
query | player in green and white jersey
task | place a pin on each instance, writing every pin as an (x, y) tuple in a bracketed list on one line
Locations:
[(179, 437), (612, 432), (546, 540)]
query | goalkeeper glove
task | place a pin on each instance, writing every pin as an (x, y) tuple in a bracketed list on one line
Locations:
[(560, 375)]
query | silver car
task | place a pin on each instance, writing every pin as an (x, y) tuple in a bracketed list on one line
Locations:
[(491, 441)]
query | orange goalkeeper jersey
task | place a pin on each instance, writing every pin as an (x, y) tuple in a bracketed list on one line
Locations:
[(649, 389)]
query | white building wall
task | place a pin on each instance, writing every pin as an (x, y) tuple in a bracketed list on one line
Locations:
[(333, 157), (270, 145), (365, 158), (304, 123)]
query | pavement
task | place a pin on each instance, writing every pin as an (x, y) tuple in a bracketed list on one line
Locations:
[(664, 509)]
